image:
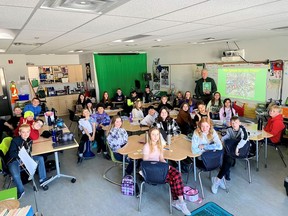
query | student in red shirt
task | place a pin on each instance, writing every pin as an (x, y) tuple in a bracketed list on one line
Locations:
[(275, 124)]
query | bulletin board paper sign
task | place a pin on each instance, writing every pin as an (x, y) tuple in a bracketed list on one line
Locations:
[(29, 163)]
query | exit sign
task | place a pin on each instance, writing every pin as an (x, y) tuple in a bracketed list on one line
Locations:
[(10, 61)]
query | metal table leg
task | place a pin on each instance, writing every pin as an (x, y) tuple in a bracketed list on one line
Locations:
[(58, 174)]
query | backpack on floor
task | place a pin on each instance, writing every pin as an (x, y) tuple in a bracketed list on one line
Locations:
[(127, 185)]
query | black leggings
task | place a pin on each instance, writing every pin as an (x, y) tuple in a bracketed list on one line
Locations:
[(83, 140), (99, 137)]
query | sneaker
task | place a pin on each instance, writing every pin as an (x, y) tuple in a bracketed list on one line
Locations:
[(222, 184), (215, 185), (227, 176), (80, 160), (181, 207), (44, 180), (21, 195)]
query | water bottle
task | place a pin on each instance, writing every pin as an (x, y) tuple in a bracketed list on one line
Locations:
[(146, 137), (130, 117), (54, 137), (260, 124), (49, 121), (143, 99), (169, 137)]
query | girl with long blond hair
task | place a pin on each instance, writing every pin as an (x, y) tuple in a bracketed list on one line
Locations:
[(205, 137), (153, 151)]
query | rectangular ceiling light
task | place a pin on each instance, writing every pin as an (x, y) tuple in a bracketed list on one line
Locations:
[(7, 34), (98, 6)]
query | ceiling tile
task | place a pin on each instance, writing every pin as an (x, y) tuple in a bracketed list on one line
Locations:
[(13, 17), (28, 36), (58, 20), (19, 3), (151, 8), (105, 24), (210, 9)]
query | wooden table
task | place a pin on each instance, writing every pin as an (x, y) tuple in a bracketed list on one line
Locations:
[(44, 146), (9, 204), (132, 145), (113, 112), (133, 127), (154, 104), (256, 135), (174, 152), (185, 146)]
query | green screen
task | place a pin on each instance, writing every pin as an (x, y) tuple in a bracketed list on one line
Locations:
[(243, 82), (120, 71)]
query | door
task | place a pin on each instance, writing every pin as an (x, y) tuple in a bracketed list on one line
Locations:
[(5, 106)]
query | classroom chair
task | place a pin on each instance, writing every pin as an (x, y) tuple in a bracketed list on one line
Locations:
[(212, 160), (154, 173), (73, 118), (10, 193), (115, 164), (277, 147), (4, 147)]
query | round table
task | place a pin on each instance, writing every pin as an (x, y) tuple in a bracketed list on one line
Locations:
[(9, 204)]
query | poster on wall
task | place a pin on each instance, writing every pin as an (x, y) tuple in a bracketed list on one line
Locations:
[(88, 71), (165, 77)]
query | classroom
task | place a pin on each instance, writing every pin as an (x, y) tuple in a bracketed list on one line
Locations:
[(127, 45)]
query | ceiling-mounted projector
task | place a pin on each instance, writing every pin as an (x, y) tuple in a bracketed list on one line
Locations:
[(232, 53)]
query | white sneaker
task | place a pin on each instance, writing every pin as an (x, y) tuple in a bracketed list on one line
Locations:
[(181, 207), (21, 195), (215, 185), (222, 184)]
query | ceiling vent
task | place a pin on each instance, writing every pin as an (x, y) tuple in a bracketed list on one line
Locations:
[(27, 44), (98, 6)]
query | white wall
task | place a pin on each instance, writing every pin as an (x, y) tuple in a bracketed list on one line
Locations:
[(89, 58), (255, 50)]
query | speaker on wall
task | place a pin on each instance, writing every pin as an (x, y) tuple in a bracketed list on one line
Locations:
[(147, 77)]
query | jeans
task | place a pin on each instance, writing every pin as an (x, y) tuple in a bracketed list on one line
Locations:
[(14, 168)]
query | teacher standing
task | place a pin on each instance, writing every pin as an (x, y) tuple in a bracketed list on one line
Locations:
[(205, 87)]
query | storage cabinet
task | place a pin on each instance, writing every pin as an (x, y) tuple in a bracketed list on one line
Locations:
[(56, 74), (62, 103), (75, 73)]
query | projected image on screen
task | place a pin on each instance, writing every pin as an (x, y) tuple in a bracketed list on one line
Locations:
[(243, 83), (240, 85)]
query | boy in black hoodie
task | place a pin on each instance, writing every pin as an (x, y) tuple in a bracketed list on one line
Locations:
[(13, 160)]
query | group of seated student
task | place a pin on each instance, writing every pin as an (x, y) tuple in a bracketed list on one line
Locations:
[(24, 128), (91, 126)]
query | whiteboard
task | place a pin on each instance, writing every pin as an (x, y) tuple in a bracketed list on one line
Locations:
[(183, 77)]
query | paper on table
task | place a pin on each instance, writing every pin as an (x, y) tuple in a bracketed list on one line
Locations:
[(29, 163)]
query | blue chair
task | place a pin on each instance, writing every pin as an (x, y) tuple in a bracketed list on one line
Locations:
[(211, 160), (88, 154), (154, 173)]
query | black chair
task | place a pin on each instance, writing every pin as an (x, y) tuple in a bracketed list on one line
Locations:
[(244, 154), (154, 173), (211, 160), (277, 146), (72, 118)]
